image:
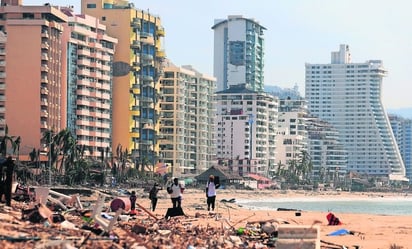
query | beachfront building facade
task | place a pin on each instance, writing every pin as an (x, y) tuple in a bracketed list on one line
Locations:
[(238, 53), (137, 67), (32, 76), (3, 41), (291, 136), (90, 54), (402, 130), (328, 155), (187, 122), (348, 96), (246, 124)]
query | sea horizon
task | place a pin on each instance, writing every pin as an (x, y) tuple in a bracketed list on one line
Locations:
[(393, 205)]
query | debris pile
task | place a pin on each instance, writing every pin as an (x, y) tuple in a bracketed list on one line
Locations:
[(55, 220)]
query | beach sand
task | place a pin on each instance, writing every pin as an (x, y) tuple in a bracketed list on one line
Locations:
[(369, 231)]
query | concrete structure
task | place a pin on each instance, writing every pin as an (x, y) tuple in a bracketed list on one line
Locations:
[(246, 126), (348, 95), (238, 53), (187, 121), (32, 75), (89, 82), (328, 156), (137, 67), (402, 130), (291, 136), (3, 41)]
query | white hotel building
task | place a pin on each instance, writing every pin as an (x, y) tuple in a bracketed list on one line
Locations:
[(246, 126), (348, 95)]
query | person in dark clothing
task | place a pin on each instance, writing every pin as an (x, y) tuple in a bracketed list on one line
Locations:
[(153, 195), (211, 187), (7, 180), (133, 199)]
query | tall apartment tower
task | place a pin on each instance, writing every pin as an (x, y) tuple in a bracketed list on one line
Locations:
[(89, 81), (246, 130), (32, 79), (348, 95), (402, 130), (238, 53), (137, 67), (188, 117), (291, 138)]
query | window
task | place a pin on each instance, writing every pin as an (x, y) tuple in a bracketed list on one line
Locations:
[(91, 6), (28, 16)]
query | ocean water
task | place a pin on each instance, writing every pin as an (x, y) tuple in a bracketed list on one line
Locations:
[(382, 206)]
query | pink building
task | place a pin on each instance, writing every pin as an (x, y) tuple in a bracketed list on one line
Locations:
[(90, 54), (32, 84)]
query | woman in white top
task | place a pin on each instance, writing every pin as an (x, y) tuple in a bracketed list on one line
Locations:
[(211, 192)]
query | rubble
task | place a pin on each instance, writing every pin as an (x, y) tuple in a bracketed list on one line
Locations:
[(63, 222)]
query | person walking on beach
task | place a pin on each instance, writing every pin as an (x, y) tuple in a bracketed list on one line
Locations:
[(6, 179), (133, 199), (153, 195), (211, 187), (175, 190)]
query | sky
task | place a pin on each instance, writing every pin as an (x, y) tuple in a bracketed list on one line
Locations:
[(298, 32)]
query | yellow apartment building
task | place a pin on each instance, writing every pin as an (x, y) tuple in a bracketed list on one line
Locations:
[(138, 63)]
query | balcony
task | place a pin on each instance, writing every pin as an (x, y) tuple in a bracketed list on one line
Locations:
[(135, 23), (147, 78), (148, 83), (134, 132), (44, 125), (161, 54), (146, 142), (45, 45), (146, 38), (45, 34), (44, 114), (44, 91), (160, 32), (146, 99), (44, 68), (135, 45), (135, 90), (147, 105), (84, 62), (135, 111), (84, 52)]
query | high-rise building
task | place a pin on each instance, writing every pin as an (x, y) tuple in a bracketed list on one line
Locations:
[(89, 81), (3, 41), (137, 68), (238, 53), (402, 130), (246, 130), (328, 156), (348, 96), (31, 72), (291, 136), (188, 119)]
